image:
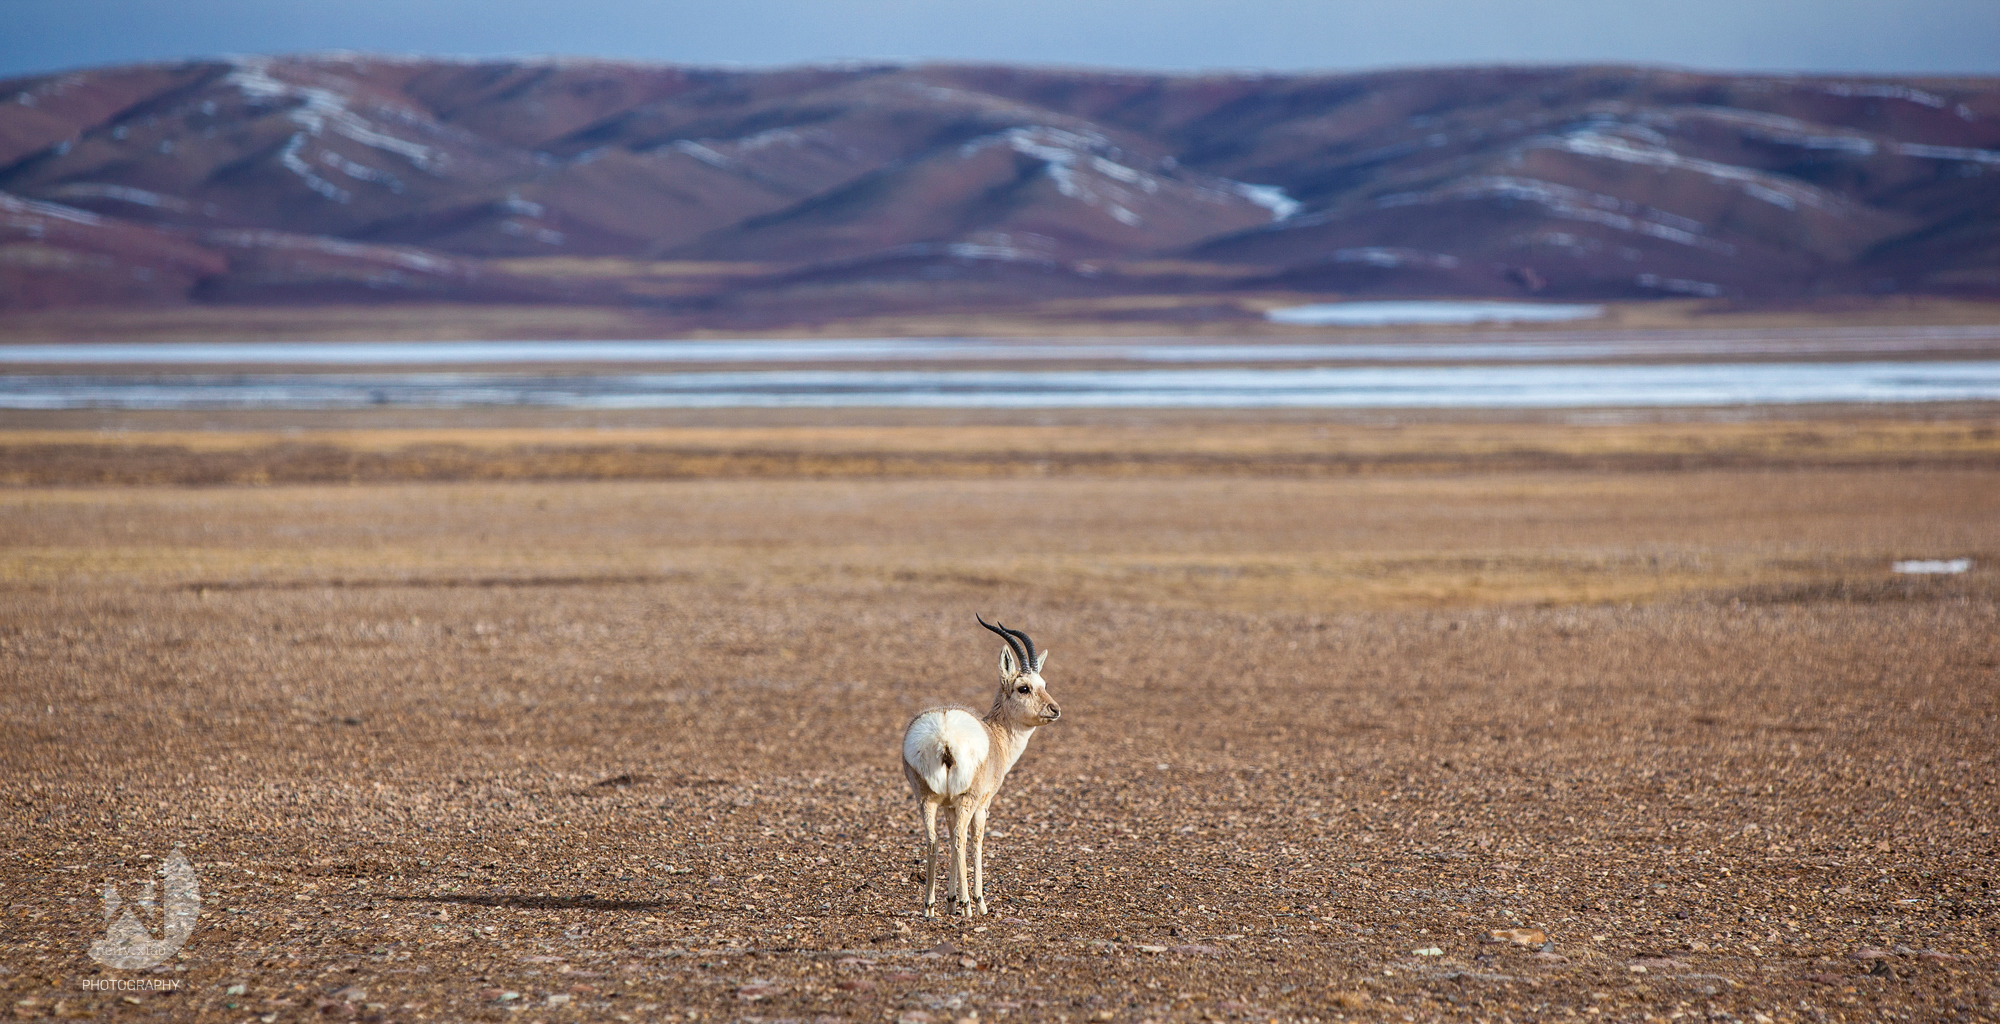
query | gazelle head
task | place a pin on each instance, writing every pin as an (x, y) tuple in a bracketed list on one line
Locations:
[(1023, 700)]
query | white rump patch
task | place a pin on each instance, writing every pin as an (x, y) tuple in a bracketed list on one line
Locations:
[(945, 747)]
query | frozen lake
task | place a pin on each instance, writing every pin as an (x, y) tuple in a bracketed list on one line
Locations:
[(1383, 314), (1501, 386), (1498, 346)]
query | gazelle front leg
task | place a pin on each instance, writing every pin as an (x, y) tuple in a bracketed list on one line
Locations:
[(979, 858), (961, 824), (931, 864)]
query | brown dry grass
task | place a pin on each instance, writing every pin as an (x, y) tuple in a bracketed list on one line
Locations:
[(1250, 543), (1136, 445), (1113, 316), (555, 751)]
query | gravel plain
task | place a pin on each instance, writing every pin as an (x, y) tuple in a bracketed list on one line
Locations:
[(1537, 744)]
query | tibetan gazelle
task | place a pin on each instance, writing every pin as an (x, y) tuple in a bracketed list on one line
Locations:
[(956, 759)]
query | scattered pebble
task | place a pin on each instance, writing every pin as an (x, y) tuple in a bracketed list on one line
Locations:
[(1661, 963), (1518, 936), (402, 914), (758, 989)]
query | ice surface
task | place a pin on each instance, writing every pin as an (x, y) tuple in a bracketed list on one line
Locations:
[(1924, 566), (1509, 346), (1379, 314), (1546, 386)]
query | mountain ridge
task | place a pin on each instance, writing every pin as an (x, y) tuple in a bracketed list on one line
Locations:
[(352, 177)]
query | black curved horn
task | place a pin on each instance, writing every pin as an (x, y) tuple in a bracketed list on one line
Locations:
[(1008, 635), (1028, 665)]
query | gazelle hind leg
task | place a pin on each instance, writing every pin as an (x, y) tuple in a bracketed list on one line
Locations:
[(931, 864), (979, 858), (961, 825)]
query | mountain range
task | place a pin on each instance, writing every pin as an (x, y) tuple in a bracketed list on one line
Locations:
[(744, 195)]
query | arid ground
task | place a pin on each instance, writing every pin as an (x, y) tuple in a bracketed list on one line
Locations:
[(508, 719)]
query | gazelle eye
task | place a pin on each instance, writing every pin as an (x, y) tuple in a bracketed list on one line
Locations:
[(1024, 689)]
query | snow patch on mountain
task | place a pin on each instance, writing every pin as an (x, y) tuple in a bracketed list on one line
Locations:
[(17, 205), (1977, 156), (994, 248), (1394, 256), (1270, 197), (121, 193), (704, 154), (410, 259), (293, 162), (1570, 203), (1771, 188), (1089, 167), (1080, 164), (318, 111), (1885, 91), (1784, 130), (1678, 285), (361, 171)]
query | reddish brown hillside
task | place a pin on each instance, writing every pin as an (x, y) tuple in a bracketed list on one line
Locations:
[(1594, 182)]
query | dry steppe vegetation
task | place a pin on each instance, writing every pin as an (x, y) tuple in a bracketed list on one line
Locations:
[(1180, 312), (560, 746)]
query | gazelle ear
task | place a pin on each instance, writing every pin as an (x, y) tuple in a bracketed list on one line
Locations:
[(1008, 667), (1041, 659)]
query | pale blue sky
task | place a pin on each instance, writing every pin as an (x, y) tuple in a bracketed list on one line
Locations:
[(1850, 36)]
